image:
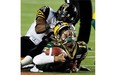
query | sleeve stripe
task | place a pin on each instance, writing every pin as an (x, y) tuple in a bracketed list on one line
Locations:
[(41, 16)]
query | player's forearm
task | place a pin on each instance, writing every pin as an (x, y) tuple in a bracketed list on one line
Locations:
[(40, 29), (40, 25), (45, 59)]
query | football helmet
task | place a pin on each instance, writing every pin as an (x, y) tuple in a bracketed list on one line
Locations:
[(67, 13), (59, 26), (63, 32)]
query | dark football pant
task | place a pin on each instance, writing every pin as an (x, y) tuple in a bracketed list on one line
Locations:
[(85, 10), (26, 45), (38, 49), (29, 48)]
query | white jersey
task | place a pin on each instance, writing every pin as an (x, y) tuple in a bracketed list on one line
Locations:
[(50, 19)]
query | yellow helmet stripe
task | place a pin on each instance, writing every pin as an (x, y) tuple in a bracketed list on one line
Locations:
[(65, 23), (56, 29)]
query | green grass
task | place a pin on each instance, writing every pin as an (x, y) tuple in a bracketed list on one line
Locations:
[(28, 13)]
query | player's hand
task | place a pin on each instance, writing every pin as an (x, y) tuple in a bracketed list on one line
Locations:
[(74, 67), (59, 58)]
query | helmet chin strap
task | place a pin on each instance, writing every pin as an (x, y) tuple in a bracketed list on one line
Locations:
[(67, 40)]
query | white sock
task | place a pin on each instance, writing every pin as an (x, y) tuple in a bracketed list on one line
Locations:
[(26, 60)]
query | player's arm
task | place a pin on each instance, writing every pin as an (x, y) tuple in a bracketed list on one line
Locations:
[(41, 16), (40, 25), (45, 59), (82, 50)]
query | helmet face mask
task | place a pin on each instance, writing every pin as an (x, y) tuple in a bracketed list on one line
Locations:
[(66, 36), (63, 33), (67, 13)]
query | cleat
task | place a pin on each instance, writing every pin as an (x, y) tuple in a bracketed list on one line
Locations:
[(35, 69), (27, 66)]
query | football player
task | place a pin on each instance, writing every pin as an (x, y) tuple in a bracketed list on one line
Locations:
[(70, 61), (44, 18), (37, 36)]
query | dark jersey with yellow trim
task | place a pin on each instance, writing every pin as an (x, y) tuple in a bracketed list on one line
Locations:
[(58, 66), (78, 57), (80, 53)]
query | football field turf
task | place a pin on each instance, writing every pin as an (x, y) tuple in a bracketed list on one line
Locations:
[(28, 13)]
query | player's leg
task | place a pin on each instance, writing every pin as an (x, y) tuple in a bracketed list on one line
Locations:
[(85, 13), (33, 52), (39, 48), (85, 20), (26, 45)]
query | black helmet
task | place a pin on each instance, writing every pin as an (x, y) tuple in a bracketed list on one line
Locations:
[(67, 13)]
